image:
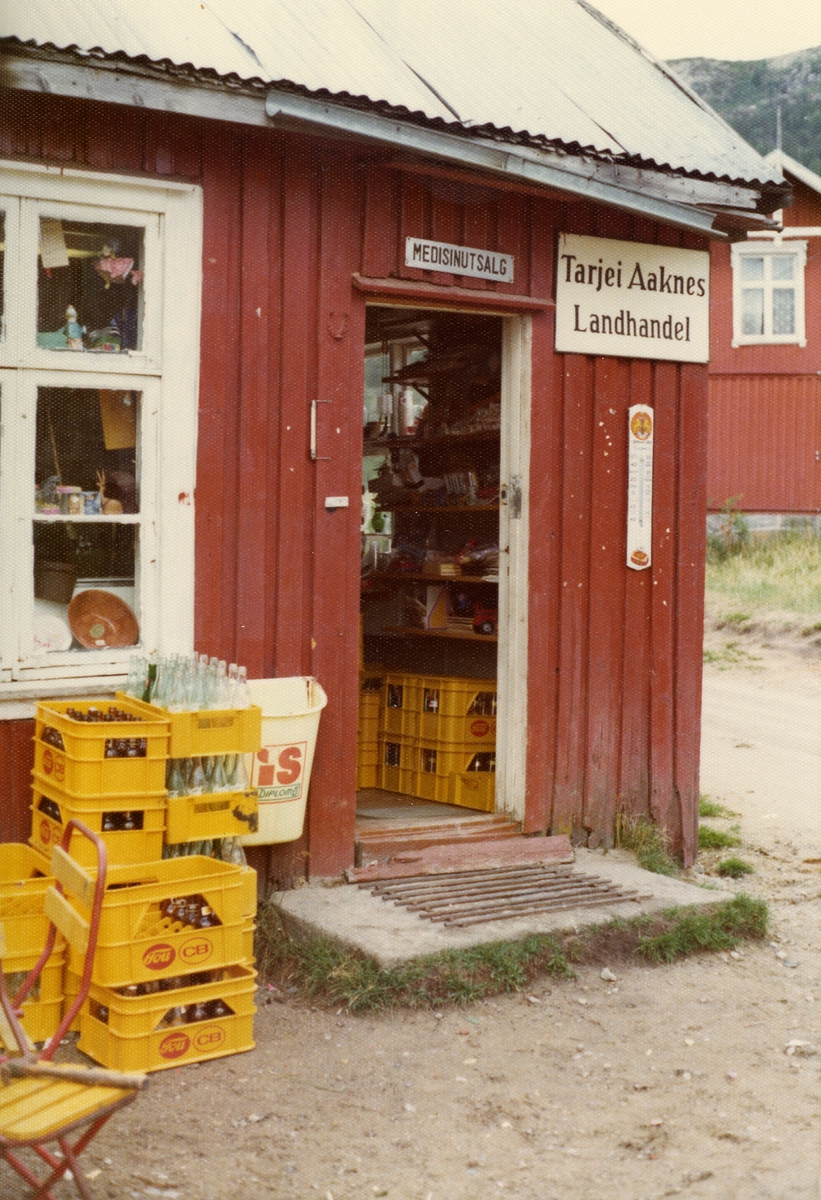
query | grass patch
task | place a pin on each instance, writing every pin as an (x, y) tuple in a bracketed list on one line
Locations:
[(734, 867), (711, 808), (319, 970), (716, 839), (720, 928), (648, 843), (773, 575), (731, 654)]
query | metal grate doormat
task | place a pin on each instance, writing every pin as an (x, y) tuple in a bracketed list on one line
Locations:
[(471, 897)]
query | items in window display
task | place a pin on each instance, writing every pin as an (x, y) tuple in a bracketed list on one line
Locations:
[(102, 620), (73, 330), (80, 262)]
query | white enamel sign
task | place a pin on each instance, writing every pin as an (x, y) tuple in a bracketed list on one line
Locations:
[(640, 487), (632, 300), (459, 260)]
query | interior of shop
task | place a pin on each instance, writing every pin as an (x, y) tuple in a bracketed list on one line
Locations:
[(429, 563)]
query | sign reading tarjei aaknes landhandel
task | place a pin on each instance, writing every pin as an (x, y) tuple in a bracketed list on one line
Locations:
[(632, 300)]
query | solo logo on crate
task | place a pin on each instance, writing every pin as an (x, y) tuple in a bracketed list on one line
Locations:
[(162, 954), (480, 729), (175, 1045), (277, 771), (159, 956), (45, 832), (54, 764)]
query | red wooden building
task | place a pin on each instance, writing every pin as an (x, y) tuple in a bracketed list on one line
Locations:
[(764, 440), (249, 224)]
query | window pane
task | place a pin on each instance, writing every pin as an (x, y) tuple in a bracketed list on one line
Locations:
[(752, 311), (89, 286), (783, 266), (86, 467), (751, 268), (783, 310)]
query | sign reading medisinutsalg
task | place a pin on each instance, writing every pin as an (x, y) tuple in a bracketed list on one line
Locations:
[(632, 300), (459, 260)]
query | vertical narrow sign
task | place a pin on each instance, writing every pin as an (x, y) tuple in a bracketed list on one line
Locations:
[(640, 487)]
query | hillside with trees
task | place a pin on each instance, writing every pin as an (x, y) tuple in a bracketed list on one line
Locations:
[(748, 96)]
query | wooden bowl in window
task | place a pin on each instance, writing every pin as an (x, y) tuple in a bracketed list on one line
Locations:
[(101, 620)]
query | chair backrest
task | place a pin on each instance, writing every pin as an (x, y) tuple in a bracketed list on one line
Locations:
[(76, 891)]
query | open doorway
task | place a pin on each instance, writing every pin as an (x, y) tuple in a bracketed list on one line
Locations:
[(436, 562)]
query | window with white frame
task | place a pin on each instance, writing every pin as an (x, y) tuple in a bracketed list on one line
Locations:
[(768, 292), (99, 349)]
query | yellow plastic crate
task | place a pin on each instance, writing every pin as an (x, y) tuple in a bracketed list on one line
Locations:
[(89, 742), (400, 705), (397, 763), (212, 815), (24, 878), (52, 809), (105, 776), (367, 775), (444, 758), (138, 941), (41, 1012), (451, 696), (211, 731), (469, 730), (132, 1033), (473, 789)]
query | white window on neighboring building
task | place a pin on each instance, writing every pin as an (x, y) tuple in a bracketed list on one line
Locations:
[(768, 292), (100, 280)]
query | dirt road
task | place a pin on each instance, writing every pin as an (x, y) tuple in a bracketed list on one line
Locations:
[(701, 1079)]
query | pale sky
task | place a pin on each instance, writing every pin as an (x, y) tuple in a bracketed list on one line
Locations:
[(724, 29)]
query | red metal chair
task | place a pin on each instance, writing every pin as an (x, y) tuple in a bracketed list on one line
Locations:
[(42, 1103)]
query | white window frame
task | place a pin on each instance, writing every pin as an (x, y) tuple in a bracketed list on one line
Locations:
[(759, 249), (164, 370)]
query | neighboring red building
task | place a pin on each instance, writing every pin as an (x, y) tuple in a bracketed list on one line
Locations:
[(239, 223), (764, 439)]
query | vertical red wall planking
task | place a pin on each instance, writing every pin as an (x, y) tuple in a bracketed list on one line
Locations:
[(545, 508), (219, 384), (293, 578), (17, 759), (255, 392), (662, 601), (381, 233), (445, 223), (340, 340), (515, 229), (478, 230), (691, 522), (634, 778), (277, 431), (607, 583), (574, 580), (414, 221)]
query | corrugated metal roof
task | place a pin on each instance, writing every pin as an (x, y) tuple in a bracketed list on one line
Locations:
[(541, 69)]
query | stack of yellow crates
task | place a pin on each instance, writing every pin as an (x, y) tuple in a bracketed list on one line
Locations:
[(437, 738), (174, 976), (368, 724), (24, 880)]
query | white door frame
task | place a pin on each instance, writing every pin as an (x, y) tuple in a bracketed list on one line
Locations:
[(514, 539)]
